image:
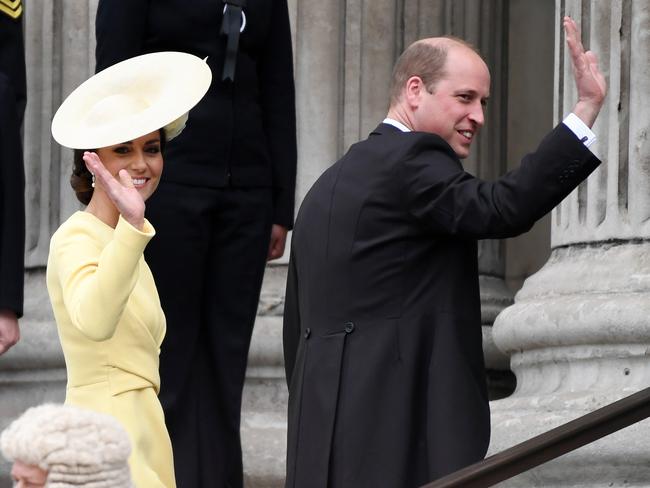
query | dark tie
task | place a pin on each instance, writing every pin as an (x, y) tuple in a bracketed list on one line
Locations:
[(233, 19)]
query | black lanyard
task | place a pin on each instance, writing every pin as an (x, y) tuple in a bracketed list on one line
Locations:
[(233, 21)]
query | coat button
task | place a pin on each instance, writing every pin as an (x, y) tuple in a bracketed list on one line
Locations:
[(349, 327), (307, 333)]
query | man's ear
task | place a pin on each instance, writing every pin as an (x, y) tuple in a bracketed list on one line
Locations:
[(413, 91)]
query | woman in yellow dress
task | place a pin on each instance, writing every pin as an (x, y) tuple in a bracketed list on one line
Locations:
[(105, 302)]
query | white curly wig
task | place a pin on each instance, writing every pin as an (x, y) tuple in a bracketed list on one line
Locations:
[(77, 447)]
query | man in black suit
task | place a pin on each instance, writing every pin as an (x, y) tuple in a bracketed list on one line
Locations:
[(382, 329), (223, 207), (13, 98)]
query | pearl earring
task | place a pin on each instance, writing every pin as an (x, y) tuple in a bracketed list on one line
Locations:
[(93, 180)]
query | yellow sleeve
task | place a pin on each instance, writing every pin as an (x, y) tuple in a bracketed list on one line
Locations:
[(96, 283)]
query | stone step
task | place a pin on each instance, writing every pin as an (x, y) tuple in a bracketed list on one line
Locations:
[(264, 449)]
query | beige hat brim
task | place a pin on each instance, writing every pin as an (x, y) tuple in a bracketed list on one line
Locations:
[(131, 99)]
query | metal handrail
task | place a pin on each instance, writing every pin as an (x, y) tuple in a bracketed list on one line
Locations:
[(551, 444)]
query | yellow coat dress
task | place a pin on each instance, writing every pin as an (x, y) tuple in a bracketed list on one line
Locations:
[(111, 325)]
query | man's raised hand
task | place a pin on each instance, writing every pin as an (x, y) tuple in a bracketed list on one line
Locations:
[(590, 82)]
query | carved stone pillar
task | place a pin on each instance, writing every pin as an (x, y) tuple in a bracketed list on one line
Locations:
[(579, 332)]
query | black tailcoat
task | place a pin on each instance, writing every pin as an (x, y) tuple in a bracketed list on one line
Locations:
[(382, 329)]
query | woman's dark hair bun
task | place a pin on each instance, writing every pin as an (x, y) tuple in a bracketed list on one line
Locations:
[(81, 179)]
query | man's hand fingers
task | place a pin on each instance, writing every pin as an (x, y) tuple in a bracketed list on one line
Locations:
[(585, 64), (592, 59), (590, 82), (577, 57), (571, 30), (574, 43)]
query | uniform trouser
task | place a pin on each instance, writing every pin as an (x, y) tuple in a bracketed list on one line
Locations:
[(207, 258)]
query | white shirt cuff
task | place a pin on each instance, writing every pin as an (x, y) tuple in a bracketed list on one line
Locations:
[(580, 129)]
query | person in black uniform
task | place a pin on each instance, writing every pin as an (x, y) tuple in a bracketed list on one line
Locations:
[(224, 206), (13, 97)]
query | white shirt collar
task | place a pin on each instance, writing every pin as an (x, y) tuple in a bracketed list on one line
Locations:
[(397, 124)]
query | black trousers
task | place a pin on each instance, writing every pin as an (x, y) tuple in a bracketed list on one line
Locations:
[(208, 259)]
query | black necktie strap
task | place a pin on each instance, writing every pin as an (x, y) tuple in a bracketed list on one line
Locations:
[(234, 20)]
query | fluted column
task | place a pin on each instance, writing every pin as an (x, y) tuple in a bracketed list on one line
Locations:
[(579, 332)]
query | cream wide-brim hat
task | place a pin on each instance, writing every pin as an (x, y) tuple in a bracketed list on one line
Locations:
[(131, 99)]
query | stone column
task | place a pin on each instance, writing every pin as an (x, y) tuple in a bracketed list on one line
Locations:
[(59, 52), (579, 332)]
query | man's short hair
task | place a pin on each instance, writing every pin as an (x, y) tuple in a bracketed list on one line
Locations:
[(423, 59)]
